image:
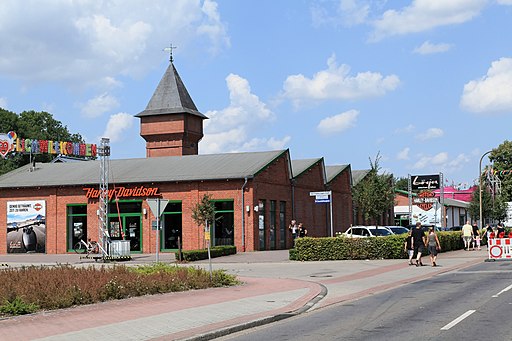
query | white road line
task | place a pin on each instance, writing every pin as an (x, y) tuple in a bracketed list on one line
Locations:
[(458, 319), (502, 291)]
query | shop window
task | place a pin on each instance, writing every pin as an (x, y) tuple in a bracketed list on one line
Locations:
[(282, 224), (273, 221), (125, 222), (76, 224), (262, 236), (171, 235), (223, 231)]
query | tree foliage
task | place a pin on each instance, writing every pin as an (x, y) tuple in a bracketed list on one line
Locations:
[(375, 195), (32, 125), (402, 183), (501, 158), (493, 209), (204, 211)]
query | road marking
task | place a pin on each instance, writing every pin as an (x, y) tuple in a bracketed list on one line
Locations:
[(458, 319), (502, 291)]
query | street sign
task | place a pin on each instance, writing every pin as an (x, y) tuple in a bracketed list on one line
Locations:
[(314, 194), (321, 198), (157, 206)]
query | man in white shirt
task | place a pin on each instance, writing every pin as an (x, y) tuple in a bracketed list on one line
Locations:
[(467, 235)]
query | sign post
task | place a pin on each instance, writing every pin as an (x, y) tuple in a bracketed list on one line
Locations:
[(157, 207), (324, 197)]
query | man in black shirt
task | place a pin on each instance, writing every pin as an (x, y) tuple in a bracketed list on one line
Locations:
[(418, 242)]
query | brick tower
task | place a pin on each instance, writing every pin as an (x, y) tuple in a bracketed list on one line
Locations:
[(171, 123)]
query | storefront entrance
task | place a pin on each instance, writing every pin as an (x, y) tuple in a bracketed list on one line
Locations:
[(125, 223)]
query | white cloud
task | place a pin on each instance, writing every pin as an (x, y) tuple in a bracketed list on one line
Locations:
[(117, 125), (493, 92), (86, 42), (338, 123), (234, 128), (3, 103), (441, 162), (505, 2), (99, 105), (336, 83), (403, 154), (429, 48), (405, 130), (431, 133), (435, 160), (345, 13), (423, 15)]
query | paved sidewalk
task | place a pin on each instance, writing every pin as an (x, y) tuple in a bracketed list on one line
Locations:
[(274, 288)]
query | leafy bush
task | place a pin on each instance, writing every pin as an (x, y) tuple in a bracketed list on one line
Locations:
[(340, 248), (216, 251), (27, 289)]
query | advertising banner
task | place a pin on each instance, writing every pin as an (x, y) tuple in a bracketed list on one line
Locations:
[(425, 182), (26, 226)]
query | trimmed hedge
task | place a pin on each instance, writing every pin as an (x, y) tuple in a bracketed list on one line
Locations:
[(215, 251), (340, 248)]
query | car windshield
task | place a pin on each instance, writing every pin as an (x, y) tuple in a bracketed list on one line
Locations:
[(380, 232), (399, 230)]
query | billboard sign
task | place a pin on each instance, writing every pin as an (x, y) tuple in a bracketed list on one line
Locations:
[(26, 226), (425, 182)]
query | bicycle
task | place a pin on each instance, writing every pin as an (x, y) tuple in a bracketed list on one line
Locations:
[(90, 247)]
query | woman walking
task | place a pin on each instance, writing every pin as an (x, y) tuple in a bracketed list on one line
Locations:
[(433, 246)]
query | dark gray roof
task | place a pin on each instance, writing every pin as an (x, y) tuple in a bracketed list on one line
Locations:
[(300, 166), (358, 175), (157, 169), (333, 171), (170, 97)]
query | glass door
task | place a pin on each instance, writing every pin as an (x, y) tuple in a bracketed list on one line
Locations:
[(127, 227)]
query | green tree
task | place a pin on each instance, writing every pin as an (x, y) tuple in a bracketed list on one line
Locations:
[(492, 209), (32, 125), (203, 212), (375, 195), (402, 183), (501, 158)]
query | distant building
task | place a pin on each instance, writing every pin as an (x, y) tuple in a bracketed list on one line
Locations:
[(50, 207)]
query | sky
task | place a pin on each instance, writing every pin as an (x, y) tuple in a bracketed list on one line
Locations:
[(425, 86)]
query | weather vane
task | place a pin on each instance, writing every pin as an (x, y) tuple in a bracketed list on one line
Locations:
[(169, 49)]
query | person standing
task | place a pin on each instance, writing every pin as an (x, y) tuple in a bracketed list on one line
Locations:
[(433, 245), (303, 232), (467, 235), (500, 231), (418, 243), (488, 231), (408, 247), (294, 229)]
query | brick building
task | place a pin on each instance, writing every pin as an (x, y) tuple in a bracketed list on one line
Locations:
[(49, 207)]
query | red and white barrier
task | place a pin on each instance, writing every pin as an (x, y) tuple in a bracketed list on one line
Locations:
[(500, 248)]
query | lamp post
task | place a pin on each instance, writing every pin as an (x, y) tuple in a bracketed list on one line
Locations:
[(480, 186)]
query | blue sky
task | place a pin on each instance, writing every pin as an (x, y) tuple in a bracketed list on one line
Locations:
[(427, 84)]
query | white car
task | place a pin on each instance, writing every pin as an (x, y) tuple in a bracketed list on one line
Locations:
[(367, 231)]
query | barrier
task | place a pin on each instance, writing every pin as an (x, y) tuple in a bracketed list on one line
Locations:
[(500, 248), (119, 248)]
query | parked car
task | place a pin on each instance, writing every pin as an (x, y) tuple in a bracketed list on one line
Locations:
[(453, 228), (367, 231), (398, 229)]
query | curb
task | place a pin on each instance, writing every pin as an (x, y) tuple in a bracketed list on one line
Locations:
[(260, 322)]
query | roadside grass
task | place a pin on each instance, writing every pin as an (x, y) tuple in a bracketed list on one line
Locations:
[(30, 289)]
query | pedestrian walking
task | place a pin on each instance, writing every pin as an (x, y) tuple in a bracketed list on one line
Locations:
[(467, 235), (418, 243), (433, 245), (476, 237), (408, 247)]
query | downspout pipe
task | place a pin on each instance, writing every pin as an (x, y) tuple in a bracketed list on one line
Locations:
[(243, 214)]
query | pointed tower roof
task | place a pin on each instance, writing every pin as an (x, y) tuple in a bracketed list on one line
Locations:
[(170, 97)]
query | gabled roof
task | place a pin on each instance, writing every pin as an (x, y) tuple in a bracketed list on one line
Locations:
[(300, 166), (358, 175), (170, 97), (333, 171), (158, 169)]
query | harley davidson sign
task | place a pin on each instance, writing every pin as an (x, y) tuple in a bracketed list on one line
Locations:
[(122, 192)]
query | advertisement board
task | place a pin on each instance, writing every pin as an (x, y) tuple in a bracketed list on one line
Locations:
[(26, 226), (425, 182)]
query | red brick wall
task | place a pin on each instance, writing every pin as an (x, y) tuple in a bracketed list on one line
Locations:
[(315, 217), (342, 201)]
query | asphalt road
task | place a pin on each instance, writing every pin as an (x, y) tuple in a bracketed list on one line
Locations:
[(474, 303)]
